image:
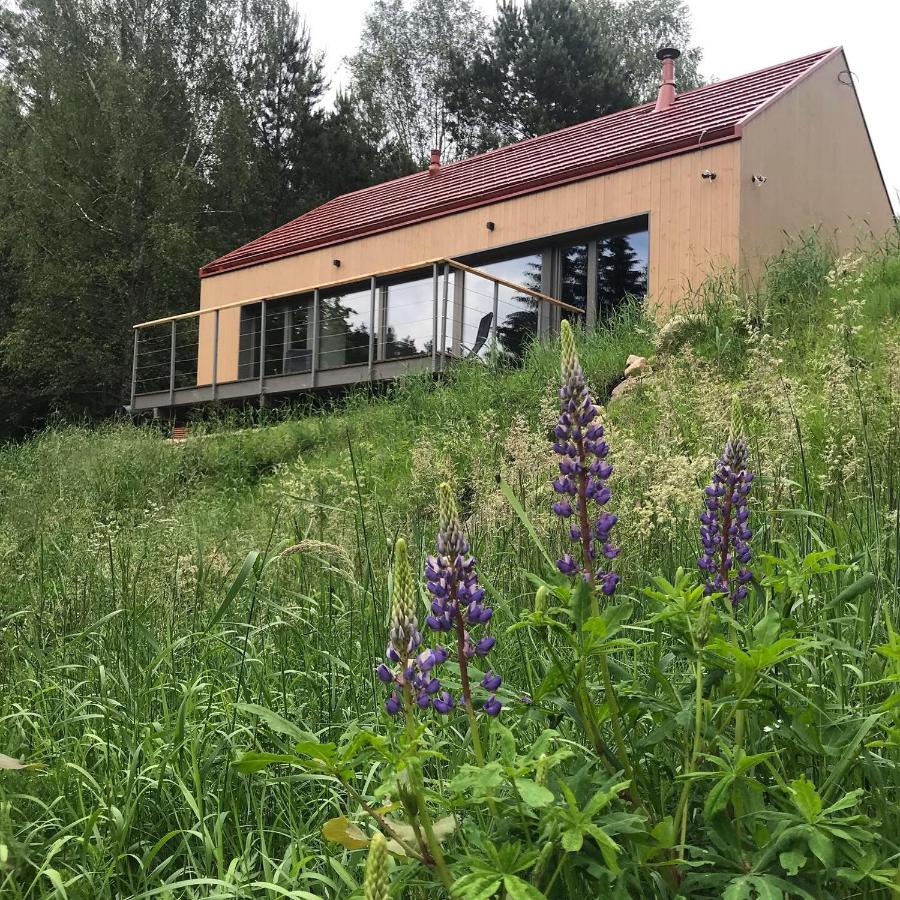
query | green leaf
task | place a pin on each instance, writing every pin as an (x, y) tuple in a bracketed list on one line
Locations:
[(820, 844), (236, 585), (477, 780), (475, 887), (248, 763), (792, 861), (860, 586), (276, 722), (517, 889), (665, 833), (572, 839), (718, 797), (749, 886), (513, 501), (580, 602), (609, 622), (533, 795), (806, 798)]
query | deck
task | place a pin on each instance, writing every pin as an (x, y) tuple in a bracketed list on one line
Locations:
[(289, 345)]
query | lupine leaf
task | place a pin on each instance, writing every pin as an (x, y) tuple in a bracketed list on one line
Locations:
[(475, 887), (806, 798), (518, 509), (792, 861), (250, 762), (518, 889), (533, 795)]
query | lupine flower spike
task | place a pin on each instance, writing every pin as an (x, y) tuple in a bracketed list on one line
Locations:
[(376, 885), (458, 600), (583, 473), (724, 531), (411, 665)]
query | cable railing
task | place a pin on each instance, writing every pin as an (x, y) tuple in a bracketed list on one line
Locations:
[(325, 337)]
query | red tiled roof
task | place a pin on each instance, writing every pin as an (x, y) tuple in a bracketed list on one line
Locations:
[(703, 116)]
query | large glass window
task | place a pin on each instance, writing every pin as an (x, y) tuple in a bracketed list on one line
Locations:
[(408, 318), (517, 313), (621, 270), (345, 325), (288, 329)]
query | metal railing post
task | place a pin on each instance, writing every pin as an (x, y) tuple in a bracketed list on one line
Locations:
[(434, 329), (372, 331), (134, 367), (444, 313), (314, 360), (172, 368), (494, 319), (262, 353), (215, 359)]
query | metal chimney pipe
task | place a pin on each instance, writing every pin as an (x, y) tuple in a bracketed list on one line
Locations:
[(435, 165), (666, 97)]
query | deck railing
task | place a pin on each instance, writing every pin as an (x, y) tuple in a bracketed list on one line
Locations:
[(292, 342)]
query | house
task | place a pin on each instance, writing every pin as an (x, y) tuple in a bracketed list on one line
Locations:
[(481, 255)]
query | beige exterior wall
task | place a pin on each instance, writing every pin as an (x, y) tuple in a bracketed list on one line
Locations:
[(813, 149), (693, 229)]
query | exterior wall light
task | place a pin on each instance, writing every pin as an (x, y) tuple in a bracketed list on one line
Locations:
[(758, 179), (708, 175), (491, 226), (336, 263)]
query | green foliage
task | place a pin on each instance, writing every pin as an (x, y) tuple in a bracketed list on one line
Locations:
[(188, 634)]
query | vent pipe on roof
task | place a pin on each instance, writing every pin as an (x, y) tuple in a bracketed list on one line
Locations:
[(435, 165), (666, 98)]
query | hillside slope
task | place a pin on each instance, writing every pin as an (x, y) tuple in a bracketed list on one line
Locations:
[(133, 624)]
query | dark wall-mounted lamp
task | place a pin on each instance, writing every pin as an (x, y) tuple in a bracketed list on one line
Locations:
[(490, 226), (336, 263), (708, 175)]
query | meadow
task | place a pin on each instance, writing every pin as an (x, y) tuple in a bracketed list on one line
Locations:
[(190, 633)]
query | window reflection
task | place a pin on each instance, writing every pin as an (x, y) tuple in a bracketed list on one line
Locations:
[(344, 328), (517, 313), (621, 270), (409, 318), (288, 328)]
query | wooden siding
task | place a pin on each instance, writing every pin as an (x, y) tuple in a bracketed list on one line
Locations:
[(693, 229), (812, 146)]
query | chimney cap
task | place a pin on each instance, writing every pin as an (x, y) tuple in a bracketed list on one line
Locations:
[(668, 53)]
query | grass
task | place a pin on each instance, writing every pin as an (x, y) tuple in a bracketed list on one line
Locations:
[(159, 599)]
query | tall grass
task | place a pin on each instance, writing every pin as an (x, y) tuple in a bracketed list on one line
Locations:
[(162, 605)]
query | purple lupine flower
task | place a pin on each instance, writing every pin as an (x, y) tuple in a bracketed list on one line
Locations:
[(412, 666), (458, 600), (492, 706), (583, 471), (491, 682), (724, 532)]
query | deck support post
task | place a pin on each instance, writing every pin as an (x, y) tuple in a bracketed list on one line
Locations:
[(314, 356), (446, 300), (215, 355), (172, 368), (262, 353), (134, 367), (434, 325), (372, 330), (494, 319)]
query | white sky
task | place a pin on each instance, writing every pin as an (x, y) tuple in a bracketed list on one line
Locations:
[(736, 37)]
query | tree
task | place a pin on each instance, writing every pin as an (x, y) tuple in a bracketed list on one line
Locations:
[(547, 64), (404, 69)]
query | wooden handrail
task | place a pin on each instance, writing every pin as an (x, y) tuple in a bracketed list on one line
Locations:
[(546, 298)]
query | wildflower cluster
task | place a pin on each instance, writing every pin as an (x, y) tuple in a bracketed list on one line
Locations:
[(413, 668), (724, 531), (583, 472), (457, 597)]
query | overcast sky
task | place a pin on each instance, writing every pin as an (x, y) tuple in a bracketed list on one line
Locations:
[(736, 37)]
